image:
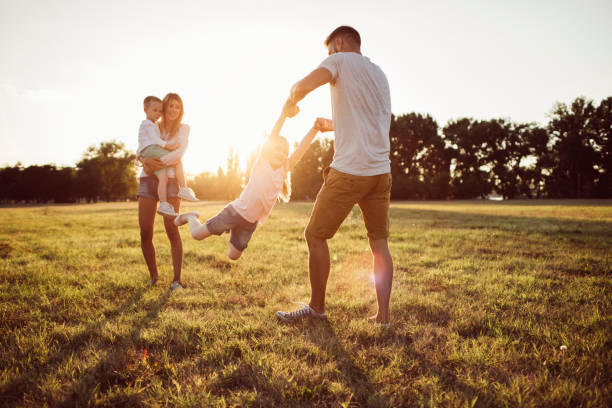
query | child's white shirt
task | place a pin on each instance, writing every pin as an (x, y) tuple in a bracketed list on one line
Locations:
[(148, 134), (261, 192), (172, 158)]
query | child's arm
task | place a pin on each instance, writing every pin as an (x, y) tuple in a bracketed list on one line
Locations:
[(320, 125), (289, 111)]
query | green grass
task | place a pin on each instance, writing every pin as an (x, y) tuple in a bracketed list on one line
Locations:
[(484, 295)]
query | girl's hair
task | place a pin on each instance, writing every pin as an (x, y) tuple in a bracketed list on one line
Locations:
[(271, 144), (174, 127)]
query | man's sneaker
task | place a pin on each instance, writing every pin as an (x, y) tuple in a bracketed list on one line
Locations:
[(175, 286), (187, 194), (166, 210), (305, 311), (182, 219)]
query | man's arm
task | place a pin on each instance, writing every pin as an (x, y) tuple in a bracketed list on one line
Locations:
[(312, 81)]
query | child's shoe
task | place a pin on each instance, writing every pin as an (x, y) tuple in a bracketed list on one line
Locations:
[(182, 219), (166, 210), (187, 194)]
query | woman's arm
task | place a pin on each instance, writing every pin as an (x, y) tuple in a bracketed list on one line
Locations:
[(151, 164), (174, 157), (320, 125)]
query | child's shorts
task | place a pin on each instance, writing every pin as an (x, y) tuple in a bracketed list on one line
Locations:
[(240, 229), (155, 151), (147, 187)]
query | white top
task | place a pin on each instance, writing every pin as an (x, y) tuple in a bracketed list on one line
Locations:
[(172, 158), (261, 192), (148, 134), (361, 112)]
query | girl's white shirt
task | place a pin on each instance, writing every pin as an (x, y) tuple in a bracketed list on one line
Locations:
[(261, 192), (172, 158)]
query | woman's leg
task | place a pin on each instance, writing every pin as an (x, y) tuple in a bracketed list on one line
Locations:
[(198, 230), (146, 221), (176, 244), (162, 186)]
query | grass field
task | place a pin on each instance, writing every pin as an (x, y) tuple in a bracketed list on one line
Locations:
[(485, 294)]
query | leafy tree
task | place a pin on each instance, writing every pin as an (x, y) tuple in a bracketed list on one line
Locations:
[(106, 172), (466, 140), (306, 177), (576, 150), (419, 163)]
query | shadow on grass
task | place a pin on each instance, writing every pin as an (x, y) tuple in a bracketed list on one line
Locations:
[(107, 372), (364, 392), (29, 380)]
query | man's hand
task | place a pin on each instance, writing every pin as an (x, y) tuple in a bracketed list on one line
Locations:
[(323, 125), (290, 109), (152, 164)]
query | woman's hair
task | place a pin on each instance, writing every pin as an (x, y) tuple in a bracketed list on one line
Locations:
[(173, 127), (270, 145)]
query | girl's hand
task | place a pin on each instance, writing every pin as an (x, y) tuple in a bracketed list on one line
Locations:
[(290, 109), (172, 147), (323, 125)]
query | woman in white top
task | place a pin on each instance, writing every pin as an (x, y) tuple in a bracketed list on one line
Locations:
[(171, 129)]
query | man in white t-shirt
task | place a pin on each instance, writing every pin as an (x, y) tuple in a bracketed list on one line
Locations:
[(360, 172)]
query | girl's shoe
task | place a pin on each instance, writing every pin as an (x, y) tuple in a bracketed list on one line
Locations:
[(187, 194), (182, 219), (175, 286), (166, 210)]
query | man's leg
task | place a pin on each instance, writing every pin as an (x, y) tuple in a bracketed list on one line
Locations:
[(318, 269), (375, 210), (383, 277)]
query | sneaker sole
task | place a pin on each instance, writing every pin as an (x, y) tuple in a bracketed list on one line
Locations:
[(167, 215), (286, 319), (186, 215)]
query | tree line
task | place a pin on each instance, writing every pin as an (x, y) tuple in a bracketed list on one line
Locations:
[(467, 158)]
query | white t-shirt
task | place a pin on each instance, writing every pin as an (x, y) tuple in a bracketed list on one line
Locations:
[(361, 112), (261, 192), (172, 158), (148, 134)]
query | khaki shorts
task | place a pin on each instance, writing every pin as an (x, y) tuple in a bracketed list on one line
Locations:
[(340, 192)]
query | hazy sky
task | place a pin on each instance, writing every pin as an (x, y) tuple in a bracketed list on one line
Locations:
[(74, 73)]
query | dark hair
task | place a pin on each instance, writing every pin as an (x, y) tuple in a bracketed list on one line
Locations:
[(150, 99), (346, 32)]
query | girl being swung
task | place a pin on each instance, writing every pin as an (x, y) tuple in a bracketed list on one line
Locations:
[(269, 180)]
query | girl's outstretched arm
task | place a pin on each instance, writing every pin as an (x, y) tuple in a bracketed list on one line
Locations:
[(289, 111), (322, 125)]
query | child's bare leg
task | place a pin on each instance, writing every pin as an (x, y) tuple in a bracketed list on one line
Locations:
[(198, 230), (162, 186), (232, 252), (180, 174)]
